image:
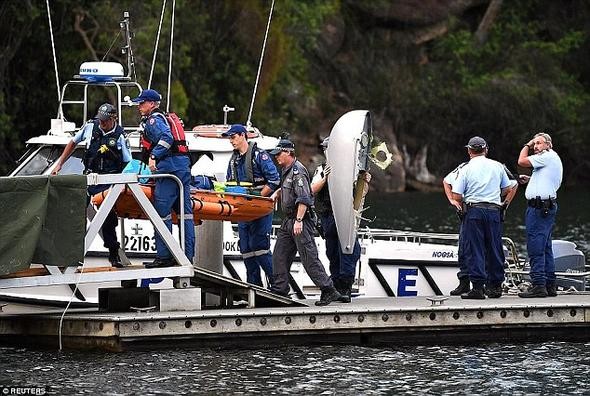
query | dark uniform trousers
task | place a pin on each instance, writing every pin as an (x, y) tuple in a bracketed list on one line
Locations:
[(286, 248), (482, 235), (539, 229)]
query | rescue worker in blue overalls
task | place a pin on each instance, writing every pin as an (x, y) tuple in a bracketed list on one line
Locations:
[(297, 230), (166, 155), (342, 265), (106, 152), (254, 166)]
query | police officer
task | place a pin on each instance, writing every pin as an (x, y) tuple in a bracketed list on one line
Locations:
[(165, 156), (106, 152), (463, 274), (342, 266), (297, 228), (541, 194), (253, 165), (481, 185)]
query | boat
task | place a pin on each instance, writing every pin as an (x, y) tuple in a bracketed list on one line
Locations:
[(392, 263)]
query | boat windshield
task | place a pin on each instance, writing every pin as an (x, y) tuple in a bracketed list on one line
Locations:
[(46, 156)]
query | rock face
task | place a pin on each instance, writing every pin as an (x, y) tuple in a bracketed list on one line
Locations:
[(350, 76)]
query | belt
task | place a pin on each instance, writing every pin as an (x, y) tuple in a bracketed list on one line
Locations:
[(484, 205), (538, 203)]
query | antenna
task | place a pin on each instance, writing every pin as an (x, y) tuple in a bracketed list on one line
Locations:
[(126, 49), (226, 109)]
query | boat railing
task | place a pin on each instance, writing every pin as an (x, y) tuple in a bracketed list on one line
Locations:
[(406, 236), (122, 86)]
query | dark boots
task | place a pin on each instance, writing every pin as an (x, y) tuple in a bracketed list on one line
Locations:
[(464, 287), (344, 287), (329, 294), (114, 258), (476, 293), (551, 290), (537, 291), (493, 291)]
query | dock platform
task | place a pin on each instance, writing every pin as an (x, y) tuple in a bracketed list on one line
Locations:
[(365, 321)]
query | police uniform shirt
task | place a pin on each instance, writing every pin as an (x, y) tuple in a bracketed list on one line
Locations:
[(546, 177), (454, 174), (85, 135), (482, 180), (295, 188)]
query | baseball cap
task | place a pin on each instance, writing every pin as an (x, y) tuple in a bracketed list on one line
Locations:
[(283, 145), (234, 129), (106, 111), (150, 95), (476, 143)]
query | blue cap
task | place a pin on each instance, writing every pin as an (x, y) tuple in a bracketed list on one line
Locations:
[(150, 95), (476, 143), (235, 128)]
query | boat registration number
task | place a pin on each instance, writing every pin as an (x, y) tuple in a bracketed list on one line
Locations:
[(140, 243)]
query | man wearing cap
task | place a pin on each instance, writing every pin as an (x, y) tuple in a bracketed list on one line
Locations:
[(481, 186), (165, 158), (254, 166), (297, 228), (342, 266), (106, 152), (541, 194)]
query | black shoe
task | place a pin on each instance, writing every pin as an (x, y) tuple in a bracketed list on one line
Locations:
[(551, 290), (493, 291), (114, 258), (329, 295), (161, 263), (474, 294), (538, 291), (464, 287), (344, 287)]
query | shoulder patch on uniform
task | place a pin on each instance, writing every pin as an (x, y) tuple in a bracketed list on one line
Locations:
[(152, 121), (264, 157), (300, 182)]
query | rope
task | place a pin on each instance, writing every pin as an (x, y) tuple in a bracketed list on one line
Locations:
[(170, 57), (68, 306), (156, 46), (249, 122), (111, 47), (54, 57)]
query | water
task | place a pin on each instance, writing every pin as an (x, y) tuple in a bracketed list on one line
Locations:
[(549, 368), (533, 368)]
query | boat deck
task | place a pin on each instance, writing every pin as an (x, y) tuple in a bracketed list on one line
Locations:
[(365, 321)]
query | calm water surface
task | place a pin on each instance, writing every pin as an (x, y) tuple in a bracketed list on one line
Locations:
[(520, 369), (549, 368)]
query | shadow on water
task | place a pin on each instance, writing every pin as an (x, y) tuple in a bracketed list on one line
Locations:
[(430, 212)]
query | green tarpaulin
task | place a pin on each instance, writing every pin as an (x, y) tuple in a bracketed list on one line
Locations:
[(42, 220)]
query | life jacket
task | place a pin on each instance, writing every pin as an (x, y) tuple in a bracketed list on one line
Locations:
[(249, 163), (179, 146), (107, 160)]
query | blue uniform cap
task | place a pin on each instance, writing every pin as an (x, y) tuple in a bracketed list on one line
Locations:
[(283, 145), (235, 128), (106, 112), (148, 95), (476, 143)]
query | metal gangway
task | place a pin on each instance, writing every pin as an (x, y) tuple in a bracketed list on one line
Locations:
[(185, 275)]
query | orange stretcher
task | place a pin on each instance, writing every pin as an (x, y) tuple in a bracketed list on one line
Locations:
[(207, 205)]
